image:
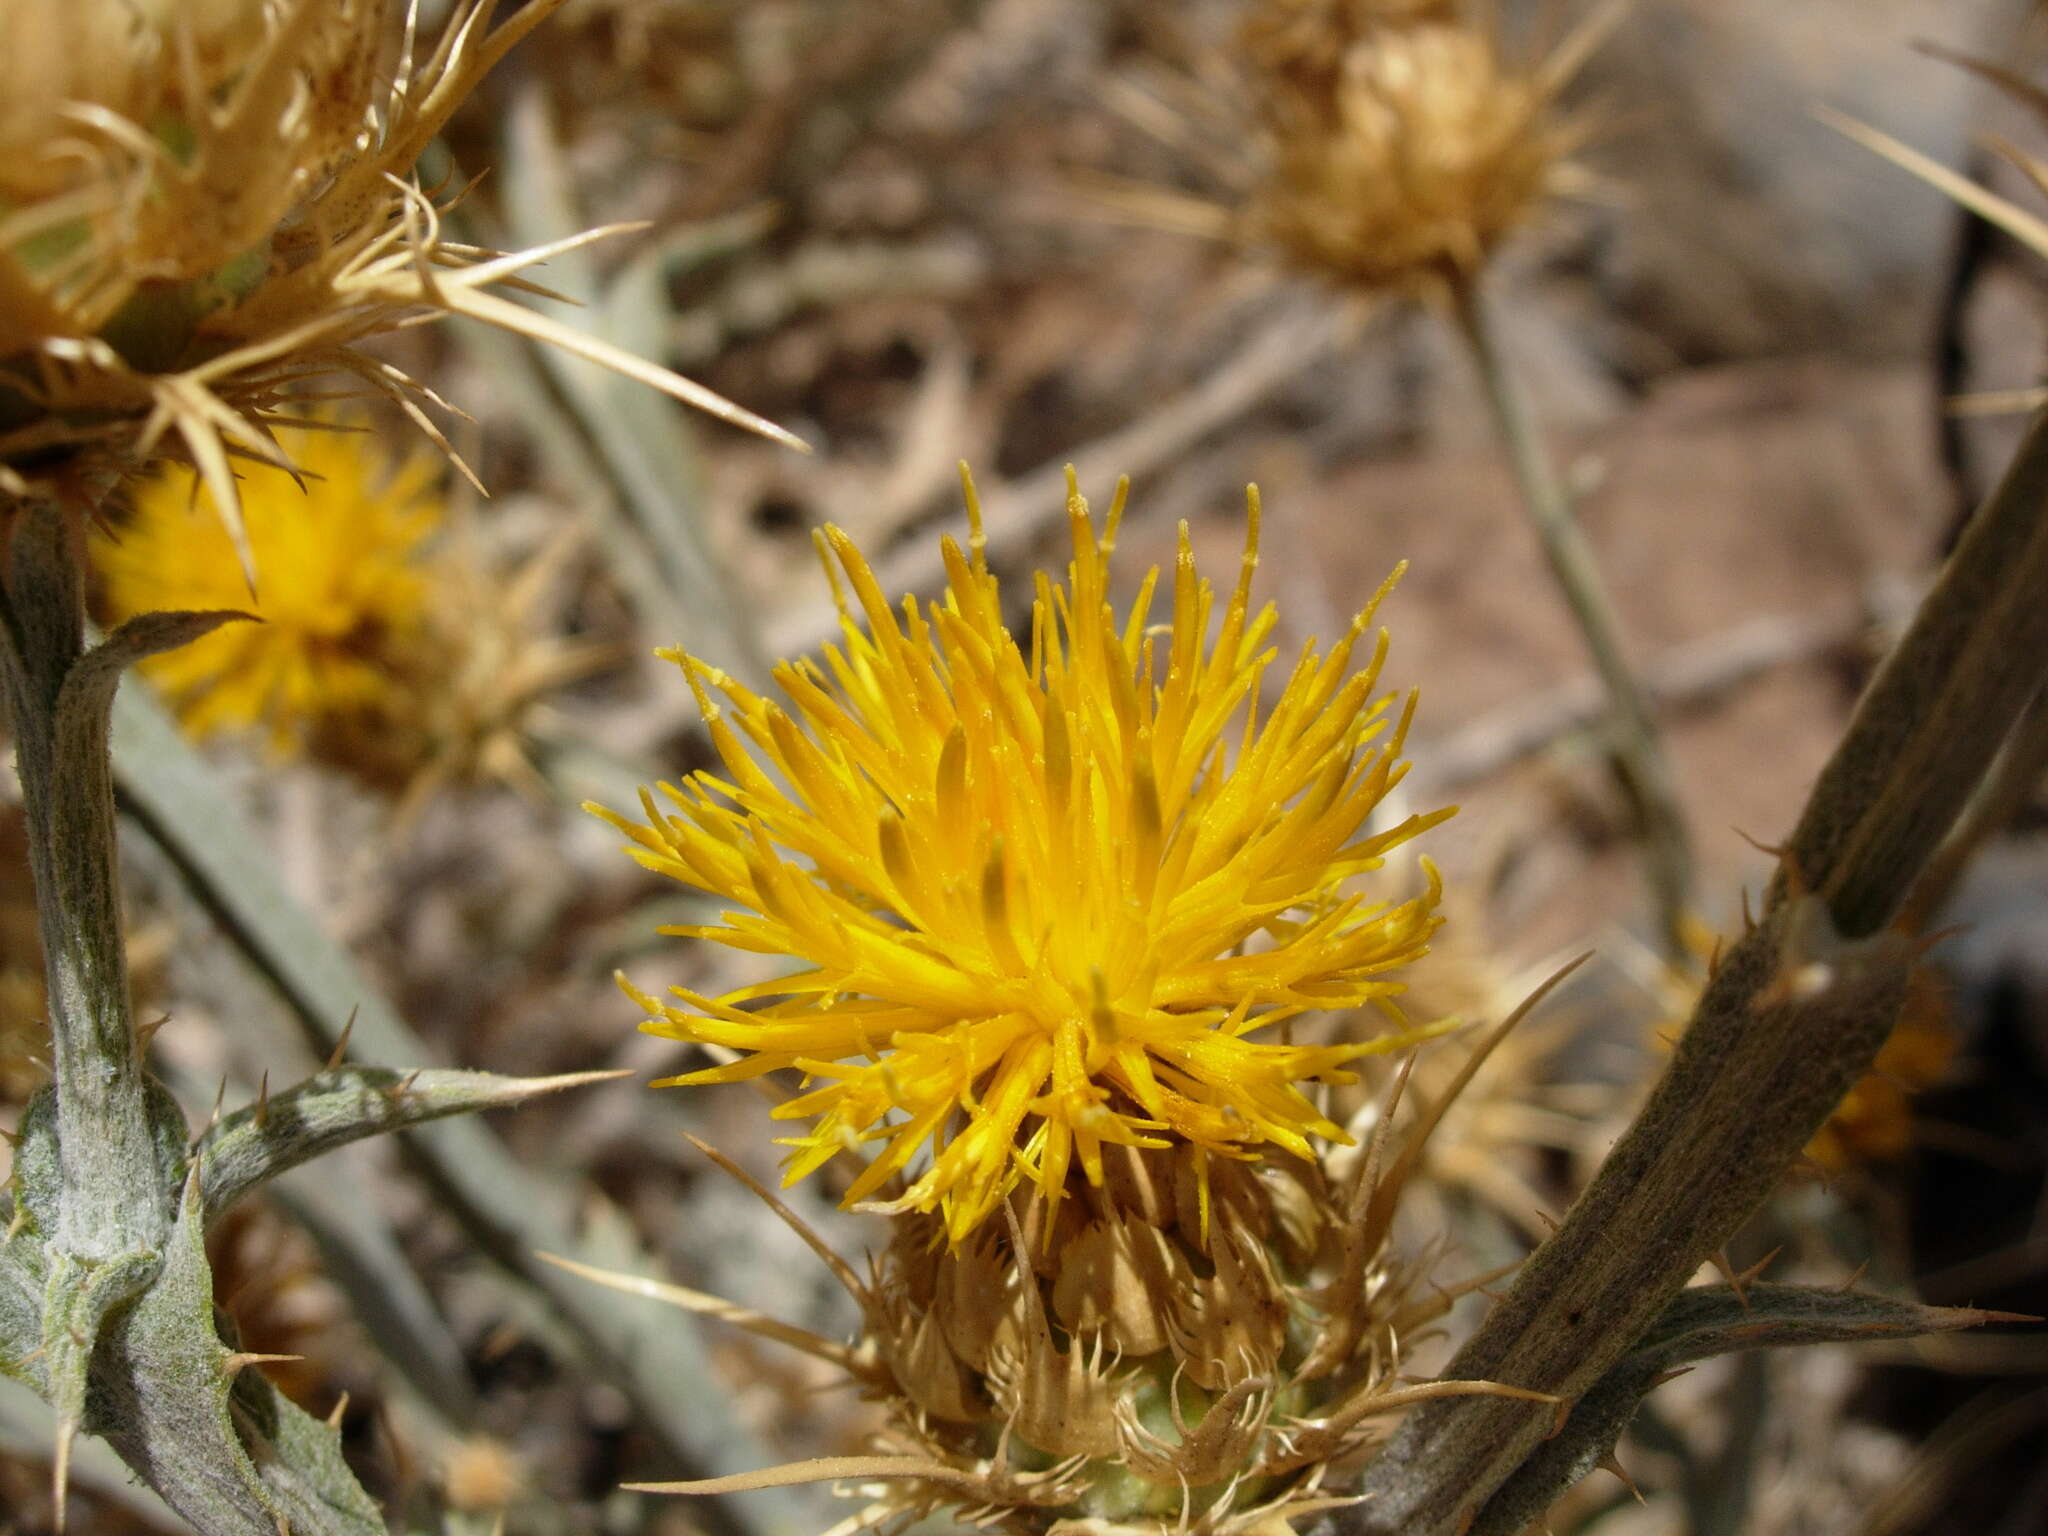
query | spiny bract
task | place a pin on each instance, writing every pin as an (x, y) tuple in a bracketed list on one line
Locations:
[(202, 204), (1048, 895)]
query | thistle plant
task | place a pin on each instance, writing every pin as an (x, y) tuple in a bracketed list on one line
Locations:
[(1044, 890), (200, 207), (1062, 902)]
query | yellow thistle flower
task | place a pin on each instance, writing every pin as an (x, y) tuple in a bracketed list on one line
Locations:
[(1046, 892), (343, 587)]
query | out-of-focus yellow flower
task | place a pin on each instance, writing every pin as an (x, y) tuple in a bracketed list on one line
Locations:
[(1051, 895), (343, 590)]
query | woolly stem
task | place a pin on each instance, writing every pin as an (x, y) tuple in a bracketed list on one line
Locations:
[(1635, 751), (113, 1199)]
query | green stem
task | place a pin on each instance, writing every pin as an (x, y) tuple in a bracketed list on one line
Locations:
[(1636, 752), (113, 1199)]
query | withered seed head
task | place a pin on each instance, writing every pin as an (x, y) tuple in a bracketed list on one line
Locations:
[(1424, 148)]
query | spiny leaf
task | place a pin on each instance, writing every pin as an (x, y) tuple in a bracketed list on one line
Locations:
[(344, 1104), (1697, 1325), (226, 1451)]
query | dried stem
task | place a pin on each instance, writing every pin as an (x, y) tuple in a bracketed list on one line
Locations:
[(1791, 1018), (1635, 751)]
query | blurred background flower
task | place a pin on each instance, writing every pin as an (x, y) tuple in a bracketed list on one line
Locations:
[(344, 587)]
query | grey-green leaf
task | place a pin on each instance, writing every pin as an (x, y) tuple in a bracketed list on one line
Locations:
[(345, 1104), (223, 1447)]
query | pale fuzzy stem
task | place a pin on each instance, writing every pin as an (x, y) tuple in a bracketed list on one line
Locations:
[(113, 1191), (1638, 754)]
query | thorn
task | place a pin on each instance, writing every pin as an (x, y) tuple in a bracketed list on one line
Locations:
[(1743, 1281), (1609, 1463), (1546, 1218), (340, 1052), (1928, 941), (233, 1365), (263, 1102), (1748, 917), (401, 1088), (220, 1097), (1721, 1261), (334, 1416), (1774, 850), (1854, 1279), (145, 1033), (1673, 1374)]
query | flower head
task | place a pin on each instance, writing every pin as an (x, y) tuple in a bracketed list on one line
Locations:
[(1050, 895), (1403, 142), (344, 586), (1428, 149)]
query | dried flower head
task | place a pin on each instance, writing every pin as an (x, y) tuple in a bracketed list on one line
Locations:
[(344, 584), (472, 682), (1052, 896), (1402, 154), (200, 204)]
